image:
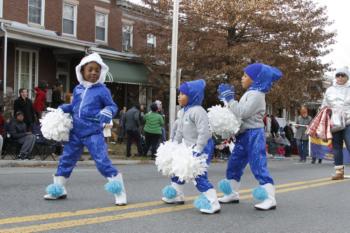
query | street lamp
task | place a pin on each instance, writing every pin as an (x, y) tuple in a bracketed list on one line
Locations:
[(173, 75)]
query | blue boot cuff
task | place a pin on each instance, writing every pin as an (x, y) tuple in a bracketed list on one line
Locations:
[(260, 193), (169, 192), (225, 187), (114, 187), (54, 190), (202, 202)]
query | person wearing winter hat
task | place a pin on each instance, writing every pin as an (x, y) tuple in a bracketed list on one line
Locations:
[(337, 98), (92, 106), (250, 143), (192, 128)]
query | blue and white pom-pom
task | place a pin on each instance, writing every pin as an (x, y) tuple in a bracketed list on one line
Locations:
[(114, 187), (225, 187), (202, 202), (54, 190), (260, 193), (175, 159), (169, 192), (55, 125), (223, 122)]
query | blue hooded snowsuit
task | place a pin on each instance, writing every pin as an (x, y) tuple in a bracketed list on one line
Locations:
[(92, 106), (194, 128), (250, 144)]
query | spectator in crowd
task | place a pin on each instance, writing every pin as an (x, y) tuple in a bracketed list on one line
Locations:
[(40, 98), (160, 111), (132, 128), (142, 115), (153, 130), (56, 147), (337, 99), (121, 131), (57, 95), (301, 137), (275, 127), (24, 104), (288, 131), (267, 124), (18, 132)]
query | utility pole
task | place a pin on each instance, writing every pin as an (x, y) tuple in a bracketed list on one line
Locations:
[(173, 73)]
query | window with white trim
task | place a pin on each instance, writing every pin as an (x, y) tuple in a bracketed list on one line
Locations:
[(127, 37), (151, 41), (36, 11), (1, 8), (101, 27), (69, 19)]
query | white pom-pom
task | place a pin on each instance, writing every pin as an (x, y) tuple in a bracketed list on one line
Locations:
[(56, 124), (177, 160), (223, 122), (164, 157)]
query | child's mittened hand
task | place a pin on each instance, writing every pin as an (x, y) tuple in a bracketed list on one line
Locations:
[(226, 92), (105, 116)]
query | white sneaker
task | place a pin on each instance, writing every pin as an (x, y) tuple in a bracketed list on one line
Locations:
[(270, 202), (232, 198), (58, 180), (213, 200), (179, 198)]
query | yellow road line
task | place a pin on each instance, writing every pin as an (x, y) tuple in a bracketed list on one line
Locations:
[(48, 216), (135, 214)]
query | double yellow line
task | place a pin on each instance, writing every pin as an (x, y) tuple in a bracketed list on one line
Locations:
[(245, 194)]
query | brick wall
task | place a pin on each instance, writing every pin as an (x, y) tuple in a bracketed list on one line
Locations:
[(17, 10)]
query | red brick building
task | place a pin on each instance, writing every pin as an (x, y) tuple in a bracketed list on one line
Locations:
[(46, 39)]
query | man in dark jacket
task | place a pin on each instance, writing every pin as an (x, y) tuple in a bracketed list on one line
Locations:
[(24, 104), (18, 132), (132, 127)]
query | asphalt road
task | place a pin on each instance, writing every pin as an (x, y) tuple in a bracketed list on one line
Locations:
[(307, 202)]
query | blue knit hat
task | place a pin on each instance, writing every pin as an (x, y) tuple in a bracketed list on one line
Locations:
[(195, 92), (253, 70), (263, 76), (184, 89)]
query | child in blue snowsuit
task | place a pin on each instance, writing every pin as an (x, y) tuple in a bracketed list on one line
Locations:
[(250, 142), (92, 106), (193, 128)]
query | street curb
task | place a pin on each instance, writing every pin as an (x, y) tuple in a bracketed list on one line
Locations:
[(39, 163)]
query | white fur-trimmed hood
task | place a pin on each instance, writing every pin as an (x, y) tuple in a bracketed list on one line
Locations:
[(94, 57)]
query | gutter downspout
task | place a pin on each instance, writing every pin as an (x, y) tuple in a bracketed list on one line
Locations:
[(5, 59)]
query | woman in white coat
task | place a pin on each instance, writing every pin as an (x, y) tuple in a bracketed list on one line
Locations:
[(337, 97)]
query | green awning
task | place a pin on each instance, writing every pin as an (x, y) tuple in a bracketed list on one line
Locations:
[(126, 72)]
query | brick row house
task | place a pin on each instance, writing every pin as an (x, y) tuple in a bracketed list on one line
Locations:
[(46, 39)]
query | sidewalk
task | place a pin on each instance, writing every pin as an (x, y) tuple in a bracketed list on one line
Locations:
[(86, 162), (116, 154)]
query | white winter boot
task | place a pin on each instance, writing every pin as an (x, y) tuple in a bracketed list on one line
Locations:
[(270, 202), (116, 187), (173, 194), (57, 190), (211, 205), (231, 194)]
